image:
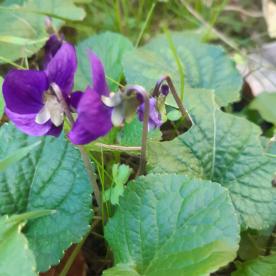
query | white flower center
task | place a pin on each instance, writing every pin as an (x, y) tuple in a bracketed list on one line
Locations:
[(52, 110)]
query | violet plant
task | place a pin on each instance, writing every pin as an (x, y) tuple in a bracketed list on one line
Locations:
[(78, 130)]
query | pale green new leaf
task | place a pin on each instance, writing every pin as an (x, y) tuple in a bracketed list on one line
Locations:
[(266, 105), (204, 65), (51, 177), (261, 266), (225, 149), (120, 174), (15, 256), (172, 225), (110, 47)]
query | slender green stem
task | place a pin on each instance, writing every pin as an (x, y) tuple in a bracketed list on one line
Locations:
[(87, 163), (104, 217), (117, 147), (215, 14), (118, 15), (76, 251), (140, 10), (12, 63), (220, 35), (114, 81), (145, 24), (178, 62)]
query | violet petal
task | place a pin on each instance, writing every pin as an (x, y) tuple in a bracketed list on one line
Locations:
[(75, 99), (26, 123), (51, 47), (154, 115), (62, 67), (55, 131), (23, 91), (98, 75), (94, 119)]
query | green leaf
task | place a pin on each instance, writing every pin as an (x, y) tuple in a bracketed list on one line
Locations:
[(173, 225), (261, 266), (253, 243), (205, 66), (120, 174), (121, 270), (265, 104), (131, 134), (50, 177), (16, 156), (15, 256), (225, 149), (110, 47), (174, 115), (23, 31), (65, 9)]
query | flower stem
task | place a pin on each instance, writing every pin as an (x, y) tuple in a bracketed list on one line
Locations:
[(178, 101), (87, 163), (141, 91)]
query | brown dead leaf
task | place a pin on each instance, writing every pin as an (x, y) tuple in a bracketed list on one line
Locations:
[(259, 70), (78, 268)]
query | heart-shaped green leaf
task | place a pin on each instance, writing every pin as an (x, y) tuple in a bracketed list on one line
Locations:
[(110, 47), (50, 177), (204, 65), (225, 149), (172, 225)]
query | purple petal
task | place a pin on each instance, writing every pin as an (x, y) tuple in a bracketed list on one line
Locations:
[(75, 99), (94, 119), (55, 131), (51, 47), (98, 75), (26, 123), (154, 116), (165, 89), (62, 67), (23, 91)]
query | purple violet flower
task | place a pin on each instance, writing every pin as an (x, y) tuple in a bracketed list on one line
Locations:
[(30, 101), (51, 47), (154, 115), (99, 109), (94, 117)]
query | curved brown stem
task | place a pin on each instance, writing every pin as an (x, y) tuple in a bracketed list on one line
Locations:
[(141, 91), (84, 155), (156, 92)]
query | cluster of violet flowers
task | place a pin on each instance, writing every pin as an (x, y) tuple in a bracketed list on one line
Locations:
[(38, 101)]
